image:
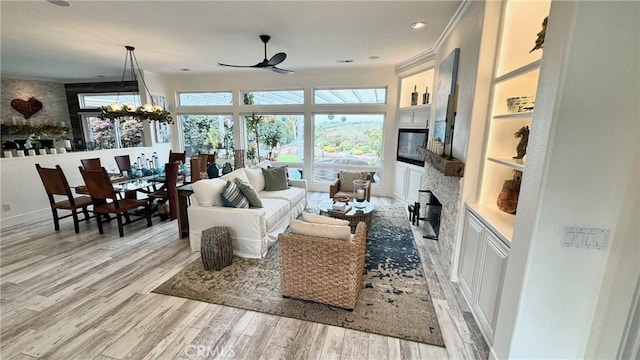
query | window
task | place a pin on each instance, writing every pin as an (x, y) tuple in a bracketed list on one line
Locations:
[(286, 97), (351, 141), (93, 101), (205, 99), (205, 134), (281, 137), (351, 96), (103, 134)]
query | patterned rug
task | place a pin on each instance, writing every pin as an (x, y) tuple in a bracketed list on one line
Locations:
[(394, 300)]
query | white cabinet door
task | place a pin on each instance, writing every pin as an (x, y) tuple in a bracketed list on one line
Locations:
[(400, 184), (491, 266), (421, 116), (405, 117), (471, 237), (414, 184)]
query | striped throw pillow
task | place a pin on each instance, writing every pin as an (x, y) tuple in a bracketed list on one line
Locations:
[(231, 196)]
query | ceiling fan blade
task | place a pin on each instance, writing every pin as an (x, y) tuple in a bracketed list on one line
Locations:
[(277, 58), (236, 66), (281, 71)]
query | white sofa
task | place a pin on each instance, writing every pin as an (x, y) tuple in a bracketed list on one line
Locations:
[(252, 230)]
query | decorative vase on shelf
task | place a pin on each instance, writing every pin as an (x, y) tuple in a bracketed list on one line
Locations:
[(226, 168), (425, 96), (414, 96), (212, 171), (360, 188)]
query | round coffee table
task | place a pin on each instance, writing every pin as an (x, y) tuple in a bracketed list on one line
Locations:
[(354, 215)]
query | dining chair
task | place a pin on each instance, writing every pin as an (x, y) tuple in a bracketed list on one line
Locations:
[(177, 157), (195, 169), (124, 163), (204, 160), (55, 183), (101, 191), (91, 164), (211, 158), (169, 190)]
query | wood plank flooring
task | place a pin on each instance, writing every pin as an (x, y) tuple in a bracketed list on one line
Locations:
[(88, 296)]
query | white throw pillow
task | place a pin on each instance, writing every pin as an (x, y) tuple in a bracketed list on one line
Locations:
[(256, 179), (319, 219), (207, 191), (235, 174), (264, 164), (338, 232)]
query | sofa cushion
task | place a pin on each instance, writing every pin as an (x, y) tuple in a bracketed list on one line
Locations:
[(239, 173), (274, 210), (319, 219), (275, 179), (339, 232), (232, 196), (347, 178), (207, 191), (264, 164), (256, 179), (249, 192), (293, 195)]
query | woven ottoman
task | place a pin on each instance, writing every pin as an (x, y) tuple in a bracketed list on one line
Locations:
[(216, 249)]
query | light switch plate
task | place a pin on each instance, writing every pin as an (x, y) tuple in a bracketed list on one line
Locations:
[(585, 238)]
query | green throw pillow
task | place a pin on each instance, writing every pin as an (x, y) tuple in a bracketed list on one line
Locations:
[(249, 192), (275, 179), (231, 196)]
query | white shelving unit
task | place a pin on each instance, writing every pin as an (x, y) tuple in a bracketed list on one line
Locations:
[(516, 74)]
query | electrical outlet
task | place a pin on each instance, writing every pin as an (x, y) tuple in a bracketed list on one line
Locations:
[(6, 207), (585, 238)]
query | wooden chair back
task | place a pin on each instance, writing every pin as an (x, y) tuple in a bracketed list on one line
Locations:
[(211, 158), (204, 160), (99, 185), (171, 181), (123, 162), (177, 157), (91, 164), (195, 169), (55, 182)]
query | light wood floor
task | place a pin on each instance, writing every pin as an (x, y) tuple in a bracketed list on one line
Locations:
[(88, 296)]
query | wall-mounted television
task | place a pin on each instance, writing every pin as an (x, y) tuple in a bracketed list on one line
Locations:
[(408, 142)]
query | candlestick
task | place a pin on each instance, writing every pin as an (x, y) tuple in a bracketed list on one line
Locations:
[(67, 144), (32, 152), (20, 153), (8, 154), (42, 152), (63, 150), (53, 151)]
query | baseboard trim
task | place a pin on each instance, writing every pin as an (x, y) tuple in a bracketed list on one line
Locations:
[(25, 218)]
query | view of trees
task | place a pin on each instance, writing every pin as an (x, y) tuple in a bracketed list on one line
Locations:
[(204, 134), (349, 136), (103, 133)]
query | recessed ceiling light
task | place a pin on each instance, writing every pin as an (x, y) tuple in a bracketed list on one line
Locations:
[(100, 76), (374, 57), (345, 61), (185, 69), (418, 25), (59, 2)]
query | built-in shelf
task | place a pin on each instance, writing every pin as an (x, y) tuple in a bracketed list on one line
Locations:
[(517, 164), (518, 115), (416, 107), (497, 220), (448, 167), (519, 71)]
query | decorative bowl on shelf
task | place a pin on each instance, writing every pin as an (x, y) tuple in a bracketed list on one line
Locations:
[(520, 103)]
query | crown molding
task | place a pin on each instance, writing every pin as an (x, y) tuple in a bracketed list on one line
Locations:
[(462, 9), (426, 59)]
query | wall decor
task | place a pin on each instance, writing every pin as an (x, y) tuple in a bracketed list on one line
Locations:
[(444, 99), (163, 133), (540, 39), (508, 198), (27, 107)]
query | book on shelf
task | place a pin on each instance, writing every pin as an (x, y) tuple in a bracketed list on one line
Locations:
[(342, 207)]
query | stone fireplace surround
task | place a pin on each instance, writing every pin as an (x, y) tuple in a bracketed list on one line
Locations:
[(447, 190)]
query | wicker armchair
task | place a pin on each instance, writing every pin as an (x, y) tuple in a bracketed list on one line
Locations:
[(323, 270)]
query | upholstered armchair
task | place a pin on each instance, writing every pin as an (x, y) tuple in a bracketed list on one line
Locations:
[(323, 270), (343, 185)]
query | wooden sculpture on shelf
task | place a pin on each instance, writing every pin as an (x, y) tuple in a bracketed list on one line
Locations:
[(508, 197), (521, 148), (541, 34)]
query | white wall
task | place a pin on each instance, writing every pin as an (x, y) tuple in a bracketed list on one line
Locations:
[(22, 189), (583, 139), (237, 81), (158, 86)]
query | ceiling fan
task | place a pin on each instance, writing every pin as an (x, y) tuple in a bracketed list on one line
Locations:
[(266, 64)]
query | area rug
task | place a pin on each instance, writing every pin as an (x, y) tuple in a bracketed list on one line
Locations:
[(394, 300)]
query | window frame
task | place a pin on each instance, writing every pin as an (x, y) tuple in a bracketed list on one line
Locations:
[(179, 102), (385, 103)]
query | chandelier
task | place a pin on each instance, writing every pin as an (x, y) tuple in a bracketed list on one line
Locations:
[(117, 111)]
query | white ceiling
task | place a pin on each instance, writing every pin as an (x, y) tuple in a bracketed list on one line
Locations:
[(85, 42)]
